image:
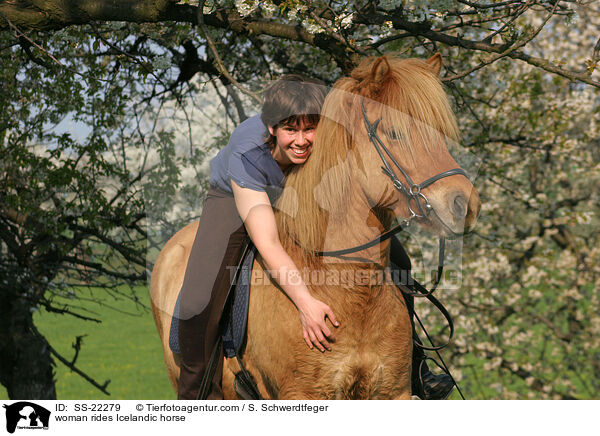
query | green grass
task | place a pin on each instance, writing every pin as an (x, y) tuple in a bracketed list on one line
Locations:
[(124, 348)]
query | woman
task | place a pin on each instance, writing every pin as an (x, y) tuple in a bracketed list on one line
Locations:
[(246, 177)]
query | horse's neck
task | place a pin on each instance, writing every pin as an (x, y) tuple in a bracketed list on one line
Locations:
[(306, 226), (358, 226)]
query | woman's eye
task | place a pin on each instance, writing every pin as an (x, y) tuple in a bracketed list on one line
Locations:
[(393, 135)]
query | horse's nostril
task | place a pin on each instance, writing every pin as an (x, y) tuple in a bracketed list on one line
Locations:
[(459, 206)]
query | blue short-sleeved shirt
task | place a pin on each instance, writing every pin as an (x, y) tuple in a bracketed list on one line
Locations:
[(247, 160)]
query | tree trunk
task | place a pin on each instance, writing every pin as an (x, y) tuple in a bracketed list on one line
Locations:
[(26, 367)]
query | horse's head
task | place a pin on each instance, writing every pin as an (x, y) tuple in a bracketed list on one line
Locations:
[(396, 115)]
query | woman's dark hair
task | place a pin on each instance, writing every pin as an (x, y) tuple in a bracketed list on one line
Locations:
[(292, 99)]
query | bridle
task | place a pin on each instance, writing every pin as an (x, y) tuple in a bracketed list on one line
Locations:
[(412, 191)]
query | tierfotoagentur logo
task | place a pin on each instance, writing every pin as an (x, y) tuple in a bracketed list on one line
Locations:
[(26, 415)]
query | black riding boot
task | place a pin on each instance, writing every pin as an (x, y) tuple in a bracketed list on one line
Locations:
[(425, 384)]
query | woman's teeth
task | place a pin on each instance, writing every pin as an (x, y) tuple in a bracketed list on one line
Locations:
[(299, 152)]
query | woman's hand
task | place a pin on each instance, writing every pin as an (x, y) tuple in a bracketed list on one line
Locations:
[(314, 328)]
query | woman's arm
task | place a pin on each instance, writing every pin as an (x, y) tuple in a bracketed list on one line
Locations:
[(255, 210)]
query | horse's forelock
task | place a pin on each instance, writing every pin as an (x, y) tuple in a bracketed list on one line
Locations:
[(408, 96), (416, 101)]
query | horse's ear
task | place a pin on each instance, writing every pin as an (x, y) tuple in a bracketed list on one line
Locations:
[(380, 69), (435, 63)]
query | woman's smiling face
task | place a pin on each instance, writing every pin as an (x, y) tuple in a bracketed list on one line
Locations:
[(293, 143)]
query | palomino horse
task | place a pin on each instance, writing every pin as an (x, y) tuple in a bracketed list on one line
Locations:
[(338, 199)]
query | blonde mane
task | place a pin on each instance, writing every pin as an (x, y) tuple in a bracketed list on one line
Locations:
[(408, 96)]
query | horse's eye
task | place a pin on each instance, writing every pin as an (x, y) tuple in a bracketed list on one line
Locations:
[(393, 135)]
